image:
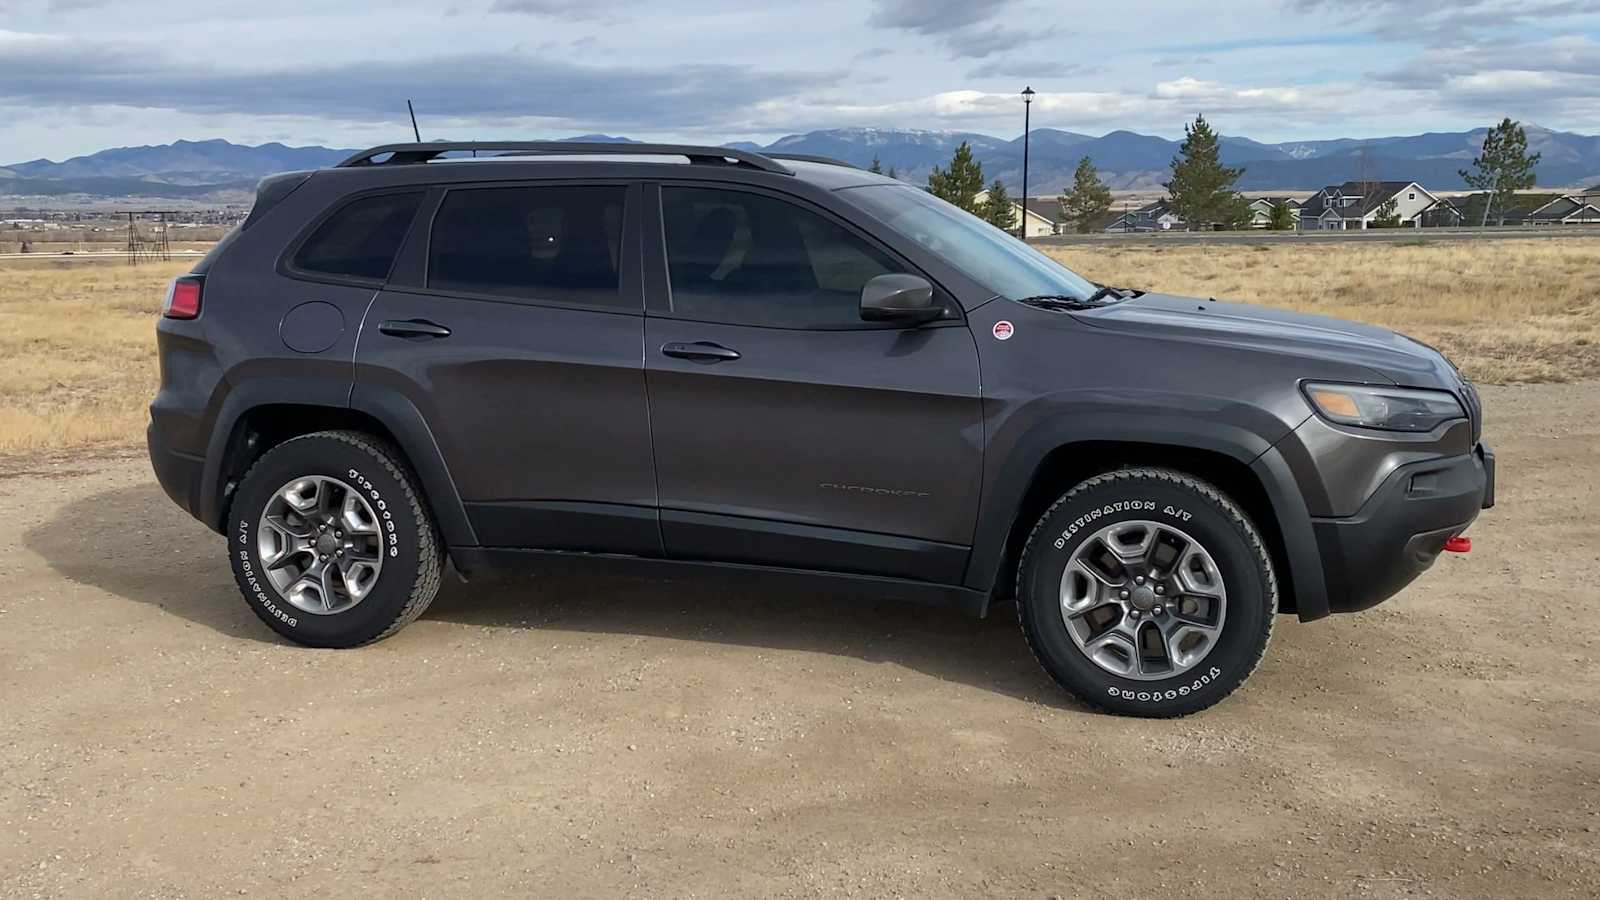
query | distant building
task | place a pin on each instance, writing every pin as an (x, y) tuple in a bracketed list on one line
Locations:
[(1446, 212), (1157, 216), (1355, 204), (1043, 217), (1576, 209), (1261, 210)]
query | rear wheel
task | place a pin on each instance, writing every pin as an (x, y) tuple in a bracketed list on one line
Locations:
[(331, 542), (1147, 592)]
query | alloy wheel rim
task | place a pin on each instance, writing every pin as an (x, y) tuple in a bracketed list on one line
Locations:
[(320, 544), (1143, 600)]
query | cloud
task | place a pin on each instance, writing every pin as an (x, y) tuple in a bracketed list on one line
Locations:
[(45, 71), (935, 17), (1163, 107), (1445, 20), (1027, 68), (1558, 76), (557, 9), (968, 29)]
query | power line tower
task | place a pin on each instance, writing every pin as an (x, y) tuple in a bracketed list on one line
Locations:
[(158, 244)]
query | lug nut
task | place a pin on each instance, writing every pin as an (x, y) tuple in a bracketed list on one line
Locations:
[(1160, 589), (1124, 595), (324, 557), (338, 534), (1139, 580)]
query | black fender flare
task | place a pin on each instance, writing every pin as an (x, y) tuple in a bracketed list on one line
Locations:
[(389, 408), (1002, 501)]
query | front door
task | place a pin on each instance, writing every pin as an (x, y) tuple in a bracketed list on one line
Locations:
[(787, 430), (517, 332)]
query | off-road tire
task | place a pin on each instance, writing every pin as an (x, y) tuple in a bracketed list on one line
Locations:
[(1195, 507), (413, 558)]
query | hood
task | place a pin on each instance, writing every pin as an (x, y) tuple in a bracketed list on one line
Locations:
[(1244, 326)]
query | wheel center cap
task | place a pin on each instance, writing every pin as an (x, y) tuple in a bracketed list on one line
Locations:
[(1143, 598), (327, 544)]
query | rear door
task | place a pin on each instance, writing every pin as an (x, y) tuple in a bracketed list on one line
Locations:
[(514, 325), (787, 430)]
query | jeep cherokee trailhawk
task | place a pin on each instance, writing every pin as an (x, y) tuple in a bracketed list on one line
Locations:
[(683, 357)]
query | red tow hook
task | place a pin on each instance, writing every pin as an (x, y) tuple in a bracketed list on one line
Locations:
[(1458, 544)]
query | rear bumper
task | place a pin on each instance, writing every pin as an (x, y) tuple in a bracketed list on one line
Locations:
[(179, 473), (1401, 530)]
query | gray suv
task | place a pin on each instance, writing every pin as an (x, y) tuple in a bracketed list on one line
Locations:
[(512, 356)]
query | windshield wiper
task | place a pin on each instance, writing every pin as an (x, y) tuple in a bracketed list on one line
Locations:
[(1066, 301)]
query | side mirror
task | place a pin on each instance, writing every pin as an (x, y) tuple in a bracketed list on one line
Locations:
[(907, 299)]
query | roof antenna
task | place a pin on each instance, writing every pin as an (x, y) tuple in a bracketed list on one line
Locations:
[(414, 130)]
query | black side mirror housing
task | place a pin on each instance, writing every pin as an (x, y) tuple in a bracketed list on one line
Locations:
[(907, 299)]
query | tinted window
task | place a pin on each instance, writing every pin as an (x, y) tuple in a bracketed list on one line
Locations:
[(757, 260), (360, 240), (557, 243), (991, 257)]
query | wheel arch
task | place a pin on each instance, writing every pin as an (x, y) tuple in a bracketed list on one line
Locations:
[(254, 421), (1244, 466)]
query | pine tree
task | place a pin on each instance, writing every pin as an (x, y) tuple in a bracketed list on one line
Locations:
[(1089, 201), (893, 173), (1282, 217), (877, 166), (1387, 215), (1504, 168), (1201, 189), (960, 183), (998, 209)]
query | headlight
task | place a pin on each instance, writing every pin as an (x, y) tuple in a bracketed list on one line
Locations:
[(1387, 408)]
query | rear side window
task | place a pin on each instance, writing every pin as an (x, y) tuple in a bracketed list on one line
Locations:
[(751, 259), (361, 239), (558, 243)]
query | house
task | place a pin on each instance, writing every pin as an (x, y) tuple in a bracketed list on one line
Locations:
[(1045, 217), (1446, 212), (1042, 216), (1157, 216), (1261, 210), (1575, 209), (1355, 204)]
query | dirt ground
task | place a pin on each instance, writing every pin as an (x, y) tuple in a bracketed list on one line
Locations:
[(626, 737)]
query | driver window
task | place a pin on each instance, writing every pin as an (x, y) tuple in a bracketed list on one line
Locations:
[(751, 259)]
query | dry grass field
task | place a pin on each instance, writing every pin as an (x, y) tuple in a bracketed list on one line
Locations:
[(1506, 311), (78, 338)]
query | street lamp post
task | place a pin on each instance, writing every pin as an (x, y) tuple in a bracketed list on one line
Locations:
[(1027, 109)]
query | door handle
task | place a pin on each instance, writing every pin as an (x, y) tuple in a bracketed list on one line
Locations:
[(414, 328), (699, 351)]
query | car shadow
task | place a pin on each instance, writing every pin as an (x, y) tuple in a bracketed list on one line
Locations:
[(133, 543)]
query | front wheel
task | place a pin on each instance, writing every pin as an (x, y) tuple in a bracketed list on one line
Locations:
[(1147, 592), (331, 542)]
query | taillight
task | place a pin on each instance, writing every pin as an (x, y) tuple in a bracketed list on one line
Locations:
[(183, 299)]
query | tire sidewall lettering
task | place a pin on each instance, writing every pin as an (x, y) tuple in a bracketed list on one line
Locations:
[(1113, 508), (385, 515), (247, 571), (1158, 695)]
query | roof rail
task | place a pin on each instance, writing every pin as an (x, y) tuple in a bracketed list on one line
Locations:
[(812, 158), (406, 154)]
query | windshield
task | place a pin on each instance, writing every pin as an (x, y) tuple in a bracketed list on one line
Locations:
[(986, 254)]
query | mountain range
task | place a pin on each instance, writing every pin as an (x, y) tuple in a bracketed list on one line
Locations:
[(1126, 160)]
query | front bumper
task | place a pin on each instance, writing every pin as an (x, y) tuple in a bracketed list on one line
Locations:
[(1401, 530)]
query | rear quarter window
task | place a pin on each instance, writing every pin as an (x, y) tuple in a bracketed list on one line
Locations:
[(361, 239)]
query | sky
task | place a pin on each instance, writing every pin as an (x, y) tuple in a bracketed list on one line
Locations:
[(78, 76)]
